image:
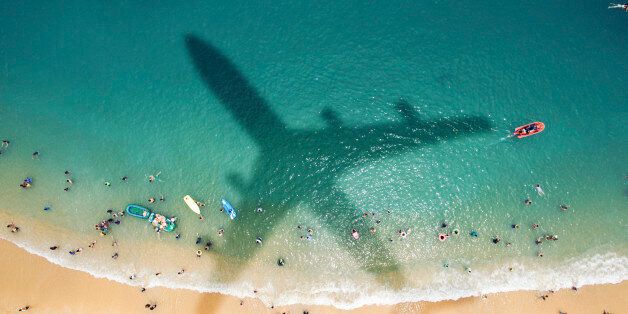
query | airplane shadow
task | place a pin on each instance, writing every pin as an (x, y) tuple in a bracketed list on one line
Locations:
[(300, 166)]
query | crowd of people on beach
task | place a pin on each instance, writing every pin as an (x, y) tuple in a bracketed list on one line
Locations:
[(372, 220)]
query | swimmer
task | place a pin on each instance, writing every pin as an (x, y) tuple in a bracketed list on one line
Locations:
[(540, 254), (468, 270), (527, 202), (198, 239), (178, 235), (310, 231), (508, 244), (67, 173), (208, 245), (201, 218), (5, 143), (162, 199), (372, 230), (69, 181), (199, 253), (539, 190), (107, 183), (258, 240), (535, 226), (35, 155), (496, 239), (444, 224), (181, 271), (151, 200), (564, 207), (91, 245), (552, 237), (132, 277), (221, 231), (515, 226), (152, 178), (114, 256), (125, 178), (259, 210), (46, 208), (67, 189), (355, 234), (54, 247), (613, 6), (280, 262), (403, 233), (24, 308)]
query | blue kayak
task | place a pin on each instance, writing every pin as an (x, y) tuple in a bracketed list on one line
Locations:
[(228, 208)]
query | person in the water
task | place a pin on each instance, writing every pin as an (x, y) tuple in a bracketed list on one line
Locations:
[(539, 190), (355, 234)]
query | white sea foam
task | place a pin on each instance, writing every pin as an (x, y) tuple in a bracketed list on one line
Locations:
[(610, 267)]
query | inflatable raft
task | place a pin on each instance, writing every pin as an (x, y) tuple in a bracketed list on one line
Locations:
[(138, 211), (529, 129), (157, 220)]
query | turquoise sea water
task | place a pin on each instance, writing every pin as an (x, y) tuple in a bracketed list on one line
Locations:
[(318, 113)]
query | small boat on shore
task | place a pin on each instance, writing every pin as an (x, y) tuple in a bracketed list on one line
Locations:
[(529, 129), (192, 204), (229, 210)]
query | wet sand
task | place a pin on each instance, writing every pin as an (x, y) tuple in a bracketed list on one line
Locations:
[(48, 288)]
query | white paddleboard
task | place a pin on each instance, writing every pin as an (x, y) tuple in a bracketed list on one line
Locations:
[(192, 204)]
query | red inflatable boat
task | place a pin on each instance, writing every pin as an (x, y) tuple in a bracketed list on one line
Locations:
[(529, 129)]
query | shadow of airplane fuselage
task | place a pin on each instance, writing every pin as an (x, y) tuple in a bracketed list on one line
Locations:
[(297, 166)]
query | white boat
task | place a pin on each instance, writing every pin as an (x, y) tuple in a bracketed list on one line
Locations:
[(192, 204)]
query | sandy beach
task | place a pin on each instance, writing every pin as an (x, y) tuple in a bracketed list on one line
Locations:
[(48, 288)]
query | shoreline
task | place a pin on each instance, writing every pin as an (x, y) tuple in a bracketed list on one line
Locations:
[(32, 280)]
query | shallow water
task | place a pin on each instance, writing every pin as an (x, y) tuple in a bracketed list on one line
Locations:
[(319, 113)]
